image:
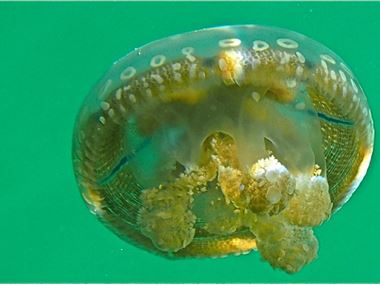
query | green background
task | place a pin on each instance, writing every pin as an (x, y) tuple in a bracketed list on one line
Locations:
[(50, 56)]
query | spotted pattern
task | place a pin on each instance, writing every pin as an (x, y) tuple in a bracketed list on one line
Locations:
[(336, 82), (336, 96)]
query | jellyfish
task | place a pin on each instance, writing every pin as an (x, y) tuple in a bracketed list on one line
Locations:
[(222, 141)]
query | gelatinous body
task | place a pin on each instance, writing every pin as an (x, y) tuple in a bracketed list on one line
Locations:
[(224, 140)]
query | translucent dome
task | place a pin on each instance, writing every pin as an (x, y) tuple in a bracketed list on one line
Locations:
[(224, 140)]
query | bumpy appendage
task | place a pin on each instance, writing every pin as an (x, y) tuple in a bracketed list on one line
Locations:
[(283, 245), (166, 219), (311, 204), (270, 186), (285, 238), (221, 198)]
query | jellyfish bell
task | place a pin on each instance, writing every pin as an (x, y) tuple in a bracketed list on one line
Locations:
[(223, 140)]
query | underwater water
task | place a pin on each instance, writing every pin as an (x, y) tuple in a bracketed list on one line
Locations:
[(52, 55)]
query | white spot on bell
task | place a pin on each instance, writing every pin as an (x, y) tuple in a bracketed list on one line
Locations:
[(158, 78), (157, 60), (187, 50), (132, 98), (328, 58), (255, 96), (343, 76), (287, 43), (128, 73), (111, 112), (104, 105), (176, 66), (102, 120), (354, 87), (260, 45), (324, 66), (229, 43), (118, 93), (300, 56)]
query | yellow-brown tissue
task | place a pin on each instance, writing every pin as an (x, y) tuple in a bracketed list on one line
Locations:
[(285, 239), (221, 197), (166, 217), (311, 204), (270, 186), (284, 245)]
